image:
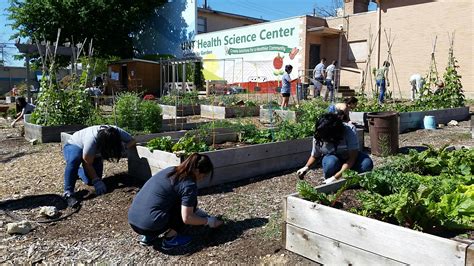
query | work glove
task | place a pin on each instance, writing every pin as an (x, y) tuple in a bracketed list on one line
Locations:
[(213, 222), (302, 172), (99, 186), (329, 180)]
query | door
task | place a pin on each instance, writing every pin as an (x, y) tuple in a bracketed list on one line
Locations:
[(124, 76), (314, 56)]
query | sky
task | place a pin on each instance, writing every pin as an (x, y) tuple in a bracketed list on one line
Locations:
[(266, 9)]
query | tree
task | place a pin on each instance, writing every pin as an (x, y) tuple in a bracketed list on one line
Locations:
[(111, 24), (329, 10)]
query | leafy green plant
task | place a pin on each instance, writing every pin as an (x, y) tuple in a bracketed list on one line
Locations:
[(189, 144), (137, 115), (62, 107), (188, 98), (161, 143)]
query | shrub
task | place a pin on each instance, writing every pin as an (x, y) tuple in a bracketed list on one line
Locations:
[(136, 115)]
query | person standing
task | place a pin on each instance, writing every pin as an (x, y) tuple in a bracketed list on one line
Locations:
[(416, 82), (168, 201), (330, 81), (22, 108), (337, 143), (286, 87), (89, 147), (319, 75), (381, 80)]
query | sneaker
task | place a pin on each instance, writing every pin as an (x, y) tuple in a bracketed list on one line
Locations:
[(147, 240), (177, 241), (201, 213), (71, 200)]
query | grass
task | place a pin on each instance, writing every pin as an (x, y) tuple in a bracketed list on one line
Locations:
[(272, 230)]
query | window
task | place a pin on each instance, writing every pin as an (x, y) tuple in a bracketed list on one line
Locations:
[(202, 25), (357, 51)]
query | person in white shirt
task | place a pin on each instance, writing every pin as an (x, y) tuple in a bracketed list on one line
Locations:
[(330, 81), (416, 82), (319, 75)]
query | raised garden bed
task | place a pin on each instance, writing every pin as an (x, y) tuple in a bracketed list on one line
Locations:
[(45, 134), (231, 164), (271, 115), (222, 112), (335, 237), (414, 120), (10, 99), (180, 110)]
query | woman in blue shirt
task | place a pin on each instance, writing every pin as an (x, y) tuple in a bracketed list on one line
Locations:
[(286, 87), (337, 143)]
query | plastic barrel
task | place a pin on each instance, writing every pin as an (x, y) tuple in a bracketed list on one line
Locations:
[(429, 122), (299, 91), (383, 132)]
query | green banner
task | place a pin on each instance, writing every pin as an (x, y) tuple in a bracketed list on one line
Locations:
[(260, 48)]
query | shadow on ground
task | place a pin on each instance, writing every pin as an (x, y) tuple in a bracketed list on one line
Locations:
[(204, 236)]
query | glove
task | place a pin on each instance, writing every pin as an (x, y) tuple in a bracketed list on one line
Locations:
[(329, 180), (213, 222), (302, 172), (99, 186)]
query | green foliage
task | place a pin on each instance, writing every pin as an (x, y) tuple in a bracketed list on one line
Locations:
[(136, 115), (188, 98), (161, 143), (186, 145), (308, 192), (112, 24), (62, 107), (425, 190)]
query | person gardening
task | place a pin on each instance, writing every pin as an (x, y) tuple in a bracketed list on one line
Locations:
[(23, 108), (345, 107), (337, 143), (89, 147), (168, 201), (381, 80)]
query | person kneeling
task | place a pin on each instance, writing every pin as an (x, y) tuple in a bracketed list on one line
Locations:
[(337, 143), (168, 201)]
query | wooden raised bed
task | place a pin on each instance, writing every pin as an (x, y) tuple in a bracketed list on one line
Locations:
[(414, 120), (231, 164), (45, 134), (336, 237), (222, 112), (180, 110), (10, 99), (271, 115)]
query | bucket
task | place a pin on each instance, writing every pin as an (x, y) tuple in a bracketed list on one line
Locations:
[(429, 122), (383, 131)]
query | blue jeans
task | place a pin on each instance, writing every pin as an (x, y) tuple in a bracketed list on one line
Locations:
[(73, 157), (332, 164), (330, 88), (381, 85)]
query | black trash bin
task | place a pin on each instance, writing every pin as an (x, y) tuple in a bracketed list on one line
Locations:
[(383, 132)]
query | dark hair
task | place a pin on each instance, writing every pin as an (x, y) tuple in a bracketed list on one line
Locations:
[(334, 62), (194, 161), (288, 68), (386, 63), (351, 100), (109, 143), (20, 103), (329, 128), (323, 59)]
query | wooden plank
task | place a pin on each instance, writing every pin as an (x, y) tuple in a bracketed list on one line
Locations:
[(329, 251), (391, 241), (470, 255), (221, 112)]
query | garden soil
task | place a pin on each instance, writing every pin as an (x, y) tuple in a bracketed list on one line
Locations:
[(31, 177)]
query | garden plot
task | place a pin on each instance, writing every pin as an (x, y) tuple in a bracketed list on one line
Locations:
[(430, 191), (331, 236), (230, 164), (180, 110), (45, 134), (223, 112), (414, 120)]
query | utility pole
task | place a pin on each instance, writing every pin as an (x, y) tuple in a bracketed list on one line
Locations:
[(2, 51)]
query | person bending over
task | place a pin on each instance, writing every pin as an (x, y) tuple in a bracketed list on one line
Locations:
[(336, 142), (89, 147), (22, 108), (168, 201)]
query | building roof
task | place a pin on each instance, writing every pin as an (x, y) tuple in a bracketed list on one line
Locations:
[(130, 60), (221, 13)]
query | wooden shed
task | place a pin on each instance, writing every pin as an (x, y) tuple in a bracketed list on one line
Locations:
[(136, 75)]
